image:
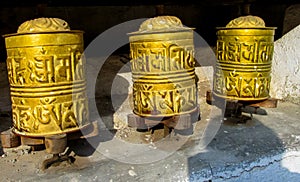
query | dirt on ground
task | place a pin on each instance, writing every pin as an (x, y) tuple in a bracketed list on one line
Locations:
[(113, 97)]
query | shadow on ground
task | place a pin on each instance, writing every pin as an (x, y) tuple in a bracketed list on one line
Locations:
[(103, 93), (237, 148), (105, 106)]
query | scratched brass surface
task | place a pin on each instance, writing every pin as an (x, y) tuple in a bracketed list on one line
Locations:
[(47, 78), (244, 58), (162, 64)]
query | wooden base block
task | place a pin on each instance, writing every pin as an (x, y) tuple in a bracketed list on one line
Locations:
[(56, 144), (233, 109), (178, 122), (38, 143), (267, 103), (31, 140), (9, 139), (88, 131)]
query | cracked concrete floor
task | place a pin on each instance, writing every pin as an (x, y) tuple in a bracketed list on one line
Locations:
[(264, 149)]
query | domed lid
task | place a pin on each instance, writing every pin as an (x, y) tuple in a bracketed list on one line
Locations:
[(43, 25), (161, 24), (246, 22)]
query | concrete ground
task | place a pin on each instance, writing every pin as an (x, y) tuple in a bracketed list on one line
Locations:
[(266, 148)]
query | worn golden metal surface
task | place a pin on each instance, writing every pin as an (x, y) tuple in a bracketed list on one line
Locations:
[(47, 78), (162, 63), (244, 53)]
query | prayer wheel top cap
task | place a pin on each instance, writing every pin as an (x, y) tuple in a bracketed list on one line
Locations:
[(245, 22), (161, 24), (43, 25)]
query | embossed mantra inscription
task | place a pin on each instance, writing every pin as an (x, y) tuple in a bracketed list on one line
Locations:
[(244, 53), (162, 63), (47, 78)]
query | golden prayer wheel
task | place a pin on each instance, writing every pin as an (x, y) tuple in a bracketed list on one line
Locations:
[(244, 58), (162, 64), (46, 73)]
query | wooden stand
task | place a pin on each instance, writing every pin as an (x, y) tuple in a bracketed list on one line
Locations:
[(9, 139), (178, 122), (234, 108), (54, 144)]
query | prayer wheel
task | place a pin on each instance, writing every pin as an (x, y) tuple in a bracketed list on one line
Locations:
[(244, 58), (46, 73), (163, 72)]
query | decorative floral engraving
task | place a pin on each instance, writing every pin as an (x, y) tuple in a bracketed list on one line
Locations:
[(161, 23), (246, 22), (43, 25)]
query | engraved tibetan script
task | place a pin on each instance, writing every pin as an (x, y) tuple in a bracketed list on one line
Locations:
[(161, 57), (45, 68), (244, 52)]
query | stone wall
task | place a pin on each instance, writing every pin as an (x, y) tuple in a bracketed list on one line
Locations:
[(286, 67)]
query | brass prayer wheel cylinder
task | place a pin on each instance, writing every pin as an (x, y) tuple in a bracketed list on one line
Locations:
[(46, 73), (162, 64), (244, 58)]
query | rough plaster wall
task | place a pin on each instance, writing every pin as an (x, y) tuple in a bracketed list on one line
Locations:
[(286, 67)]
